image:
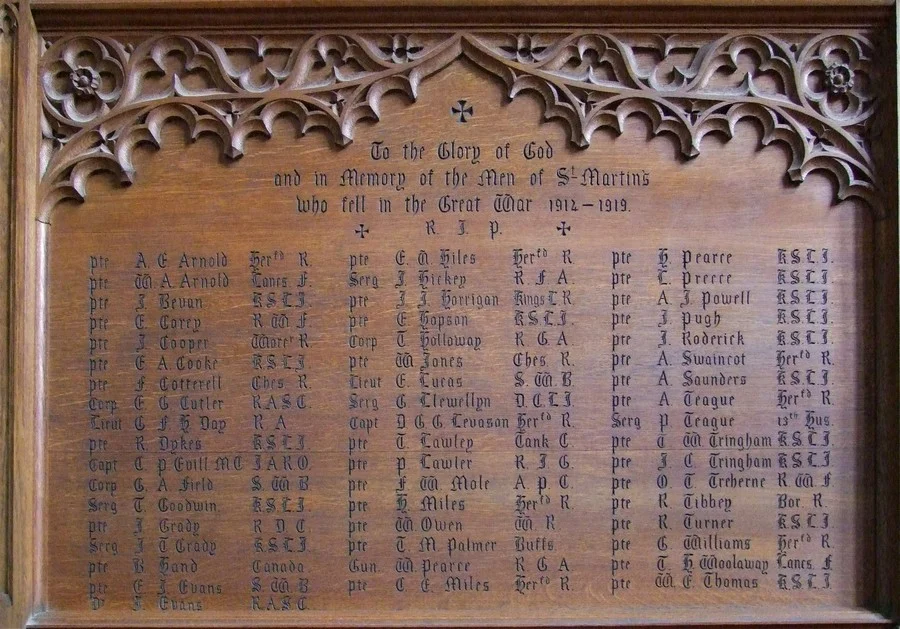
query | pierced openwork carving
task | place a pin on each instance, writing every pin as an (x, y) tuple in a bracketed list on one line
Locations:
[(105, 96), (9, 18)]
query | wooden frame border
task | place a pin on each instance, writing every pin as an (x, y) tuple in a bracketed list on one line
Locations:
[(23, 237)]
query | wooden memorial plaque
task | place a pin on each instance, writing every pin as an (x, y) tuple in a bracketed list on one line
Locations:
[(445, 315)]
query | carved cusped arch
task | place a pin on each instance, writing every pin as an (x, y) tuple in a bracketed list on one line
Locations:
[(103, 96)]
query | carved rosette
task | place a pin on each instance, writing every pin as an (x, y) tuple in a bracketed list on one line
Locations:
[(105, 96)]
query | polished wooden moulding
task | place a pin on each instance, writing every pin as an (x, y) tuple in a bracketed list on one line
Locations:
[(575, 315)]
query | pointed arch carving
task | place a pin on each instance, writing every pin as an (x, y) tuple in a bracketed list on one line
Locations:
[(104, 96)]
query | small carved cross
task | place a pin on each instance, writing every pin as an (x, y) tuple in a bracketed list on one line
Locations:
[(107, 141), (362, 230), (337, 102), (57, 137), (462, 109), (694, 112), (819, 141), (590, 100), (232, 112), (564, 228)]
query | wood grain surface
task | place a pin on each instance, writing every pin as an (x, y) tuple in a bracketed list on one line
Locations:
[(348, 380), (451, 328)]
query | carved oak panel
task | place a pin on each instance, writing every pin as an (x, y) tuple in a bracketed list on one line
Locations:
[(387, 325)]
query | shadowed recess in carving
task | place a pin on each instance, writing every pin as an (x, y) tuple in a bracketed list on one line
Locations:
[(102, 96), (9, 18)]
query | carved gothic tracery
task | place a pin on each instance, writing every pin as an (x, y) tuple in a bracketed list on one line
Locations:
[(104, 96), (9, 17)]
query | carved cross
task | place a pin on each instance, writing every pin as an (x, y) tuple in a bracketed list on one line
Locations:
[(463, 109), (694, 112)]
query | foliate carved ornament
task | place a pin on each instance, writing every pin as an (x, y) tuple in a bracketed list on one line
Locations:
[(103, 96)]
